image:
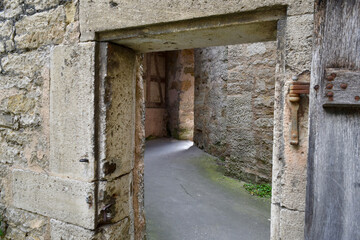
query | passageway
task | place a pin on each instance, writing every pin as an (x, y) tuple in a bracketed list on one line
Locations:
[(188, 198)]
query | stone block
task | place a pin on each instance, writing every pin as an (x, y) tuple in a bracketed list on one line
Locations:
[(60, 230), (118, 112), (296, 7), (41, 29), (72, 111), (64, 199), (120, 230), (42, 4), (239, 110), (2, 46), (12, 8), (6, 29), (7, 121), (9, 45), (5, 187), (238, 86), (72, 34), (294, 189), (20, 103), (159, 11), (264, 101), (275, 222), (264, 123), (115, 200), (12, 154), (24, 225), (299, 35), (292, 224), (22, 69), (72, 11), (256, 49)]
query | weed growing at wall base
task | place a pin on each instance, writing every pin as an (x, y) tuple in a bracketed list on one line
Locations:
[(260, 190), (2, 231)]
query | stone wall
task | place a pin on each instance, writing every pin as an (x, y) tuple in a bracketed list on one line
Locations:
[(250, 112), (154, 23), (47, 130), (234, 107), (28, 30), (180, 93), (210, 100)]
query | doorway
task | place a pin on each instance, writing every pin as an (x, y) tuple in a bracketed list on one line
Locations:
[(230, 88), (218, 30)]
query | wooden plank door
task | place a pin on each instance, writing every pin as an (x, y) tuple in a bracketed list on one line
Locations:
[(333, 192)]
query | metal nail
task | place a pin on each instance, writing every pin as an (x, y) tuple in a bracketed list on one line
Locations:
[(330, 94), (343, 85)]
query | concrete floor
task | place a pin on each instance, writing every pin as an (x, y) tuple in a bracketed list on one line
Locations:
[(187, 197)]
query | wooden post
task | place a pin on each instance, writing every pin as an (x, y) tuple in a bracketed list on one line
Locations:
[(333, 191)]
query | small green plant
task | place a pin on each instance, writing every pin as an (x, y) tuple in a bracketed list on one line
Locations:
[(2, 228), (260, 190), (151, 137), (2, 233)]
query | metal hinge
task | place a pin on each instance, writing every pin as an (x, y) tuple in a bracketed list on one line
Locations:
[(296, 89)]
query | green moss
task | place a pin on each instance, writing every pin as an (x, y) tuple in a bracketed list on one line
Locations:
[(151, 137), (214, 170), (260, 190), (184, 134), (216, 173), (2, 228), (175, 134), (152, 230)]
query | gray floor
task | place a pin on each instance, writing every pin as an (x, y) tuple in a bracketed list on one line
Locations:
[(185, 199)]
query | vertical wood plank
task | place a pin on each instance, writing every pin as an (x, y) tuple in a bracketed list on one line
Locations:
[(333, 191)]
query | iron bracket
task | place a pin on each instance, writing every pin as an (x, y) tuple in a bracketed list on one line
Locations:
[(296, 89)]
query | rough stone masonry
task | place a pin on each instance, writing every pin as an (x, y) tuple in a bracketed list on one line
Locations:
[(68, 169), (234, 107)]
